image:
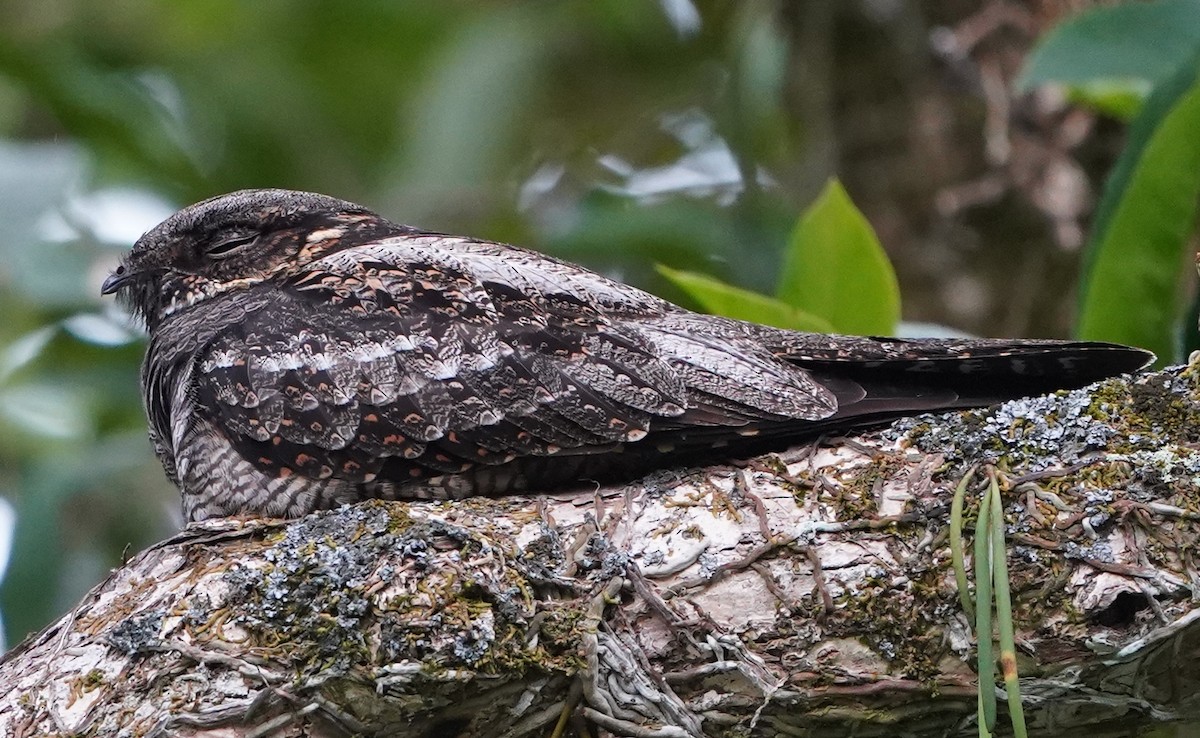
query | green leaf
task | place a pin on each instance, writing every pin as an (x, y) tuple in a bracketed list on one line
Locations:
[(1120, 99), (1147, 41), (1130, 289), (719, 298), (835, 268)]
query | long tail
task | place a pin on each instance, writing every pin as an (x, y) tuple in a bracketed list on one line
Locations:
[(881, 377)]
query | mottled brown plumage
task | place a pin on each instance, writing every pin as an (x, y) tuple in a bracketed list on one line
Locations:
[(305, 352)]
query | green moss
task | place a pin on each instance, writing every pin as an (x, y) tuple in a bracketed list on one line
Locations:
[(92, 679), (857, 498), (798, 485), (892, 621), (1159, 408), (325, 600)]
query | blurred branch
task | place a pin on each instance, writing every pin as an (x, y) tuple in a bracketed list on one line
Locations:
[(809, 591)]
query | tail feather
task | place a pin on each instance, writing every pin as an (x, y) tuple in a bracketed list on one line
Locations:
[(979, 371), (737, 372)]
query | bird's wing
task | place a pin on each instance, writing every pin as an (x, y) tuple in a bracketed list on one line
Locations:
[(422, 355)]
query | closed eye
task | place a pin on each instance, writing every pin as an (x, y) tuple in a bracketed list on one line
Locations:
[(230, 245)]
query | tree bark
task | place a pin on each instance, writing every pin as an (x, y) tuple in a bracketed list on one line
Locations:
[(808, 592)]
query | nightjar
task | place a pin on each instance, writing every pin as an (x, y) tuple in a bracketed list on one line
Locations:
[(305, 352)]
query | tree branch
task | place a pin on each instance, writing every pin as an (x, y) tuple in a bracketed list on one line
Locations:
[(805, 591)]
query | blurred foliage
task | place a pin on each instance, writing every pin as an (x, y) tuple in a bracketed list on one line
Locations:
[(615, 133), (619, 134), (1132, 285), (833, 251), (721, 298), (1145, 42)]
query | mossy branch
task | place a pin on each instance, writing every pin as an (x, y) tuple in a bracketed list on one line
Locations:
[(812, 590)]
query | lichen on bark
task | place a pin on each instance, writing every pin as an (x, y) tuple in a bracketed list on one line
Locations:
[(808, 590)]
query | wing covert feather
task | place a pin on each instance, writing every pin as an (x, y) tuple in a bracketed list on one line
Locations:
[(406, 355)]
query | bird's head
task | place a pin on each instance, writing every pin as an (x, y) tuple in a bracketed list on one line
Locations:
[(226, 243)]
